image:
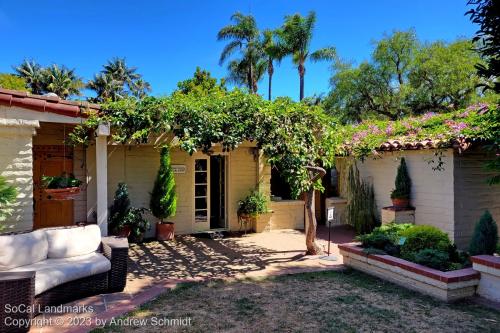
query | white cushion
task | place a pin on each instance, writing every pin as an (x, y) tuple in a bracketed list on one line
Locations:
[(22, 249), (72, 242), (53, 272)]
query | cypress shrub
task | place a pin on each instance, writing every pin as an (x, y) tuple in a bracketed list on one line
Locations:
[(402, 184), (361, 210), (485, 237), (163, 203)]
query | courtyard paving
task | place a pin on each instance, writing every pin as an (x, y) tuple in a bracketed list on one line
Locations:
[(155, 267)]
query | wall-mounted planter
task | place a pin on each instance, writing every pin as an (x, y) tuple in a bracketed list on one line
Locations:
[(62, 193), (489, 268), (446, 286)]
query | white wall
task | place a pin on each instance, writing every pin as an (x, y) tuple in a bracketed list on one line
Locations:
[(16, 165), (432, 191)]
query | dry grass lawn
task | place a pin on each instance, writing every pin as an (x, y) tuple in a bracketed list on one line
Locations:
[(313, 302)]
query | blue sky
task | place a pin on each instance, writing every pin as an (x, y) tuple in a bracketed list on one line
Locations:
[(166, 40)]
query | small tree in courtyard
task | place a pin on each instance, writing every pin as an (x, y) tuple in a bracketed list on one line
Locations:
[(163, 203), (485, 237)]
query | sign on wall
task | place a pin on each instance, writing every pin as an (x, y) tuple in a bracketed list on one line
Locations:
[(178, 168)]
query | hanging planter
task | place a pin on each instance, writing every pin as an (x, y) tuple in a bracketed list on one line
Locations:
[(62, 187)]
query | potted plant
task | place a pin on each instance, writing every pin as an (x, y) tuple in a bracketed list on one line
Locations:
[(62, 187), (163, 203), (138, 224), (250, 208), (400, 196), (118, 210)]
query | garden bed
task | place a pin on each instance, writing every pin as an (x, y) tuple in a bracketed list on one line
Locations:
[(489, 268), (447, 286)]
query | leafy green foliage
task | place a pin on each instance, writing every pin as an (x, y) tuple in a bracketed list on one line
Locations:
[(9, 81), (385, 238), (254, 204), (488, 39), (478, 122), (402, 183), (63, 181), (485, 237), (360, 208), (405, 78), (163, 203), (201, 84), (119, 209), (8, 195), (433, 258), (137, 222), (422, 237)]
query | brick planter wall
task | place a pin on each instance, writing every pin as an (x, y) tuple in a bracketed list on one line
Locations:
[(489, 268), (446, 286)]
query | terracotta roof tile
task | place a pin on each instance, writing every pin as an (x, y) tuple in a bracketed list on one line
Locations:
[(459, 143), (52, 104)]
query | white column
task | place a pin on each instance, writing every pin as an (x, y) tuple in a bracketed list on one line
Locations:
[(101, 151)]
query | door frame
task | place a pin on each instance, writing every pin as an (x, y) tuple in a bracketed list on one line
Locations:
[(195, 225)]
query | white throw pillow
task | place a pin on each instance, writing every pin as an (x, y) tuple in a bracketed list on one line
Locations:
[(72, 242), (22, 249)]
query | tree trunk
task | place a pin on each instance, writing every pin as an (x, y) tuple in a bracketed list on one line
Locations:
[(302, 72), (250, 78), (312, 247), (270, 72)]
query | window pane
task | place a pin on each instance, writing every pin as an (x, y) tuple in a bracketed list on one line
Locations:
[(200, 216), (200, 165), (200, 203), (200, 177), (200, 190)]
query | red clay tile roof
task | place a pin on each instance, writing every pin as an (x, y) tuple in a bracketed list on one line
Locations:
[(460, 144), (50, 104)]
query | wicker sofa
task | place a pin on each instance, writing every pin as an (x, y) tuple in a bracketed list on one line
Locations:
[(57, 265)]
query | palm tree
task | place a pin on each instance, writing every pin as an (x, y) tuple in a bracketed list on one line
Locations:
[(118, 70), (141, 88), (243, 36), (32, 73), (273, 51), (239, 74), (106, 88), (295, 37), (62, 81)]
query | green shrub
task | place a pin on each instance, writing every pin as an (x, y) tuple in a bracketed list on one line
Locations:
[(402, 184), (432, 258), (485, 237), (375, 240), (254, 204), (360, 208), (423, 237), (393, 230), (119, 208), (137, 222), (8, 194)]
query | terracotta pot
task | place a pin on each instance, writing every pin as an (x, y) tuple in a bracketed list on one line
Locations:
[(400, 202), (164, 231), (124, 231), (61, 193)]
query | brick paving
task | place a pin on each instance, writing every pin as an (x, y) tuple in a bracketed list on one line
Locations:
[(155, 267)]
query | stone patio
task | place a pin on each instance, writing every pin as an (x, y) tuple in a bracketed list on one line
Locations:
[(154, 267)]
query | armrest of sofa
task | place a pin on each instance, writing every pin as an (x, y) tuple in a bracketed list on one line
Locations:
[(16, 288), (116, 250)]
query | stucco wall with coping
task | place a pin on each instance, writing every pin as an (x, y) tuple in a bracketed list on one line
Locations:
[(473, 195), (16, 165), (432, 191), (287, 214)]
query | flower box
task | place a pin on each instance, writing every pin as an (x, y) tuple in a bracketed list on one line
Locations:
[(447, 286)]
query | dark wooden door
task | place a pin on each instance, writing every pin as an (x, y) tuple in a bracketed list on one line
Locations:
[(51, 161)]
